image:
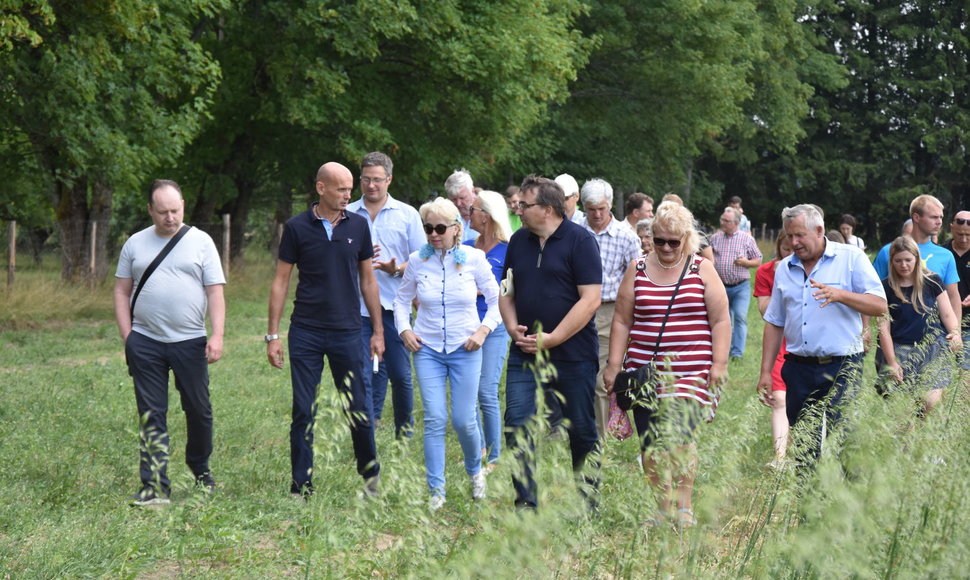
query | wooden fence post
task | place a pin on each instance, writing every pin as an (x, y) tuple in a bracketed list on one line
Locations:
[(93, 261), (226, 248), (11, 252)]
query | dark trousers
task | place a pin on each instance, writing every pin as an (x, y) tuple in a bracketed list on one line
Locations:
[(342, 348), (575, 382), (149, 362), (396, 366), (832, 385)]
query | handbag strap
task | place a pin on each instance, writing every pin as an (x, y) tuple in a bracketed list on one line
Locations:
[(158, 260), (670, 305)]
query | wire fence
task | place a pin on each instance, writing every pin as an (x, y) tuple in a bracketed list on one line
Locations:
[(91, 250)]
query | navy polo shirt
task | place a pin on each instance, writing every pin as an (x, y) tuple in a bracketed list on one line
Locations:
[(546, 281), (327, 294)]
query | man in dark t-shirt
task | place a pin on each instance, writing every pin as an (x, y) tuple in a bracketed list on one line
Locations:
[(556, 276), (332, 250), (959, 245)]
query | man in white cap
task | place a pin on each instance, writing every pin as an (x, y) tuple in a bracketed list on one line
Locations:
[(571, 189)]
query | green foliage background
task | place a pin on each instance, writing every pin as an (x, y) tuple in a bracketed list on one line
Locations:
[(856, 106)]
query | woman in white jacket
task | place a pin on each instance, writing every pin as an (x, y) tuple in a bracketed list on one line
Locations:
[(447, 338)]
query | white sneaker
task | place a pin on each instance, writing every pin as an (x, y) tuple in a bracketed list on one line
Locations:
[(479, 485), (436, 502)]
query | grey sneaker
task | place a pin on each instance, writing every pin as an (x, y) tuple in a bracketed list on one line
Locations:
[(436, 502), (147, 496), (372, 487), (479, 485)]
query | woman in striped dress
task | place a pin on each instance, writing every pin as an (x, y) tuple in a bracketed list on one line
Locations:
[(691, 360)]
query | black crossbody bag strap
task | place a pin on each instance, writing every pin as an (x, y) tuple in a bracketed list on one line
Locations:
[(670, 305), (158, 260)]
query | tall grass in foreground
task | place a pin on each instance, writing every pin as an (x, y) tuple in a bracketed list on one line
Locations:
[(887, 500)]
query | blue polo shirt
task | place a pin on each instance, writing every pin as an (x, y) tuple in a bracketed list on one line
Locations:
[(328, 289), (936, 259), (546, 280), (811, 330)]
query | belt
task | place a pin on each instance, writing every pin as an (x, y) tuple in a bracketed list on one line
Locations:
[(813, 360), (736, 283)]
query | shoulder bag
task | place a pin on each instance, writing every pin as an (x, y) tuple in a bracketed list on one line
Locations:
[(637, 386)]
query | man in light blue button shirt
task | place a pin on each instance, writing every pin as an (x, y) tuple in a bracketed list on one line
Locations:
[(395, 228), (819, 295)]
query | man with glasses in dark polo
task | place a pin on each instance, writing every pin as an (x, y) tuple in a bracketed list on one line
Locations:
[(551, 290)]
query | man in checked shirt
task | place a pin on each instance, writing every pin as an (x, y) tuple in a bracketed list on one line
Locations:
[(618, 246), (734, 253)]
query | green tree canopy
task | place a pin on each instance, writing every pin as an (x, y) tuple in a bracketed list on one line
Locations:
[(435, 85), (97, 94)]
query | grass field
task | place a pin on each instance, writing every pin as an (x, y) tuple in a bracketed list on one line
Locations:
[(888, 501)]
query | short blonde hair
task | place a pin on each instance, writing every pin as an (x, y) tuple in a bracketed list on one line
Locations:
[(677, 219), (445, 209)]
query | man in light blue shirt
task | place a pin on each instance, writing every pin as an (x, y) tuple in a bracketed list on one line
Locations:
[(395, 228), (927, 214), (819, 294)]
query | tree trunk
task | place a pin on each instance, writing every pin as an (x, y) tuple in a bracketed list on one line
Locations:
[(75, 213), (71, 212)]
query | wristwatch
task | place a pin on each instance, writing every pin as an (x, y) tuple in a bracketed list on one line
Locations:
[(271, 337), (398, 272)]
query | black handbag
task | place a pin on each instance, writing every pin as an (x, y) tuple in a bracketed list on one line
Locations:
[(638, 386)]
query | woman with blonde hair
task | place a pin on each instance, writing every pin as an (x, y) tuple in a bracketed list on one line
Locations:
[(911, 336), (489, 217), (447, 337), (672, 312)]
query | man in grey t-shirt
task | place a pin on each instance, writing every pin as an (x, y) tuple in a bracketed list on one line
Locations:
[(167, 332)]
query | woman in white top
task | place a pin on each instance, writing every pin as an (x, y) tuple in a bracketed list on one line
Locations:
[(447, 338), (847, 225)]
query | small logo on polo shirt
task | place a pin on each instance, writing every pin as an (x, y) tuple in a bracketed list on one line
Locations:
[(350, 240)]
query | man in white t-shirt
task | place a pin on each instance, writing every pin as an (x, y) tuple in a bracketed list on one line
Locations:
[(162, 323)]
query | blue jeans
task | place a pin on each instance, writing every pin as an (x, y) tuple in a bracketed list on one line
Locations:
[(739, 297), (342, 347), (494, 352), (396, 366), (462, 369), (832, 385), (576, 383)]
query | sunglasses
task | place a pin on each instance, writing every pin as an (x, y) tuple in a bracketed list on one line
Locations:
[(961, 222), (674, 244), (439, 229)]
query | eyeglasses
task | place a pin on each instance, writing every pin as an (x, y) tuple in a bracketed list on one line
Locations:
[(374, 180), (524, 206), (961, 222), (674, 244), (439, 229)]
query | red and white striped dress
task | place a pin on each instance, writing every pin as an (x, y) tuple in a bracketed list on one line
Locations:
[(685, 354)]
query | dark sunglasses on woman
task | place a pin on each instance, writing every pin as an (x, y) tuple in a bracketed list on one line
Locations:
[(674, 244), (439, 229)]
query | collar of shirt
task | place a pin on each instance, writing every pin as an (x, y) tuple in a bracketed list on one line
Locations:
[(328, 226), (556, 234), (829, 252), (610, 230), (359, 207)]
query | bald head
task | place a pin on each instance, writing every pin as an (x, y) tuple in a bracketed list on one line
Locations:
[(331, 170), (334, 185)]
